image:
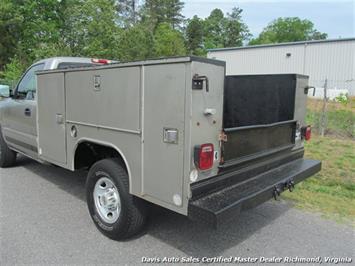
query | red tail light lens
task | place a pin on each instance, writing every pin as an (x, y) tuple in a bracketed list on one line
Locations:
[(204, 156), (306, 133), (101, 61)]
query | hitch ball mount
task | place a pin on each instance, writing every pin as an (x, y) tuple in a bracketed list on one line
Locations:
[(290, 185)]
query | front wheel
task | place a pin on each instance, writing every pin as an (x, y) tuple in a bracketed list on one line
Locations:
[(115, 212)]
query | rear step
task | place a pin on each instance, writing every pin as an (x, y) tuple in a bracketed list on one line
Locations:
[(226, 203)]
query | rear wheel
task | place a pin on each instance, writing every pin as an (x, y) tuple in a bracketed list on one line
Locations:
[(115, 212), (7, 156)]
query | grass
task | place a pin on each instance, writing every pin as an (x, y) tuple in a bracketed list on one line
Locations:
[(331, 191)]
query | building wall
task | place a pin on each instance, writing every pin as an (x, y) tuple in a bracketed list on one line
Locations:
[(331, 60)]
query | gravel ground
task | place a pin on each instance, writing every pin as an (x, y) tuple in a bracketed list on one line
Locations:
[(44, 220)]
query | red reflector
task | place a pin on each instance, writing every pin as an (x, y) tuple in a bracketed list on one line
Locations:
[(204, 156), (306, 132), (100, 61), (307, 135)]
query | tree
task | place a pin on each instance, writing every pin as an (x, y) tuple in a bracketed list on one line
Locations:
[(214, 29), (10, 30), (40, 36), (236, 31), (290, 29), (168, 42), (94, 29), (31, 29), (117, 29), (221, 31), (127, 11), (173, 11), (194, 36), (135, 43), (155, 12), (13, 71)]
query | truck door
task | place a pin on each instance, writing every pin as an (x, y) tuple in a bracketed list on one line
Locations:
[(20, 128)]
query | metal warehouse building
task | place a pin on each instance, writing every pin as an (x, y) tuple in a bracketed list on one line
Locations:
[(325, 59)]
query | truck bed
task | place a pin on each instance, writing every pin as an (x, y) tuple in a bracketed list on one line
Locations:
[(261, 156)]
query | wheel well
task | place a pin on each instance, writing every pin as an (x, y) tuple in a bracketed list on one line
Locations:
[(87, 153)]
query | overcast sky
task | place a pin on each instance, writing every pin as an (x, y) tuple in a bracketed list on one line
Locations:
[(335, 17)]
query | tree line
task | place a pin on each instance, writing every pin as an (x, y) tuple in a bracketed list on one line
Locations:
[(125, 30)]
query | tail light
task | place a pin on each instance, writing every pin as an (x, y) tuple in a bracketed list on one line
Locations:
[(101, 61), (306, 132), (203, 156)]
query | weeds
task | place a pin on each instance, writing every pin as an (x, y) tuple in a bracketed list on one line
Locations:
[(331, 191)]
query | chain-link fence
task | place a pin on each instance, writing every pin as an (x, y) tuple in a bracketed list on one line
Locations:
[(331, 111), (332, 117)]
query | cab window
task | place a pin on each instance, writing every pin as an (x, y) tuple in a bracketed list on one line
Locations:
[(65, 65), (26, 89)]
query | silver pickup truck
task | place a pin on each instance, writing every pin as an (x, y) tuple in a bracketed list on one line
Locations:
[(175, 132)]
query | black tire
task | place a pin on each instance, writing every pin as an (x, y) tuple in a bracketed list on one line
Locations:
[(132, 216), (7, 156)]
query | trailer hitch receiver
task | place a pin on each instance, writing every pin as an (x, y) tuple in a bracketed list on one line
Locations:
[(290, 185)]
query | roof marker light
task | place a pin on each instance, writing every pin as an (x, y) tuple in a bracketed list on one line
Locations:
[(101, 61)]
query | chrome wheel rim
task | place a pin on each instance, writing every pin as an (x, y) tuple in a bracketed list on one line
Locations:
[(107, 200)]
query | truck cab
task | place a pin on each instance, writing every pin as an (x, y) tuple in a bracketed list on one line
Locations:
[(18, 113)]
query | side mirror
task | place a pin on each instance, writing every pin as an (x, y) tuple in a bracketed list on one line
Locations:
[(5, 91)]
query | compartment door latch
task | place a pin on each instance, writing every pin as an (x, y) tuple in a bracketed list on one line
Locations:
[(197, 82), (170, 135), (97, 82)]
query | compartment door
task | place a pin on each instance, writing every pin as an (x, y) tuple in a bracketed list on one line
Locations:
[(51, 118), (301, 95), (164, 108)]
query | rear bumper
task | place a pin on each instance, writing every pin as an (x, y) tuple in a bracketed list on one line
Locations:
[(214, 207)]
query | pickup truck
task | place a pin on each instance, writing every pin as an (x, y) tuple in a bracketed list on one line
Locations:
[(175, 132)]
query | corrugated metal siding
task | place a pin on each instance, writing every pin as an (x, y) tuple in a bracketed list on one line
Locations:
[(334, 61), (331, 60)]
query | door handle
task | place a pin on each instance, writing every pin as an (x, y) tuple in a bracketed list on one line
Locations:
[(28, 112)]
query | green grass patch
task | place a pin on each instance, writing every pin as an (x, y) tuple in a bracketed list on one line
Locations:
[(331, 191), (339, 122)]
